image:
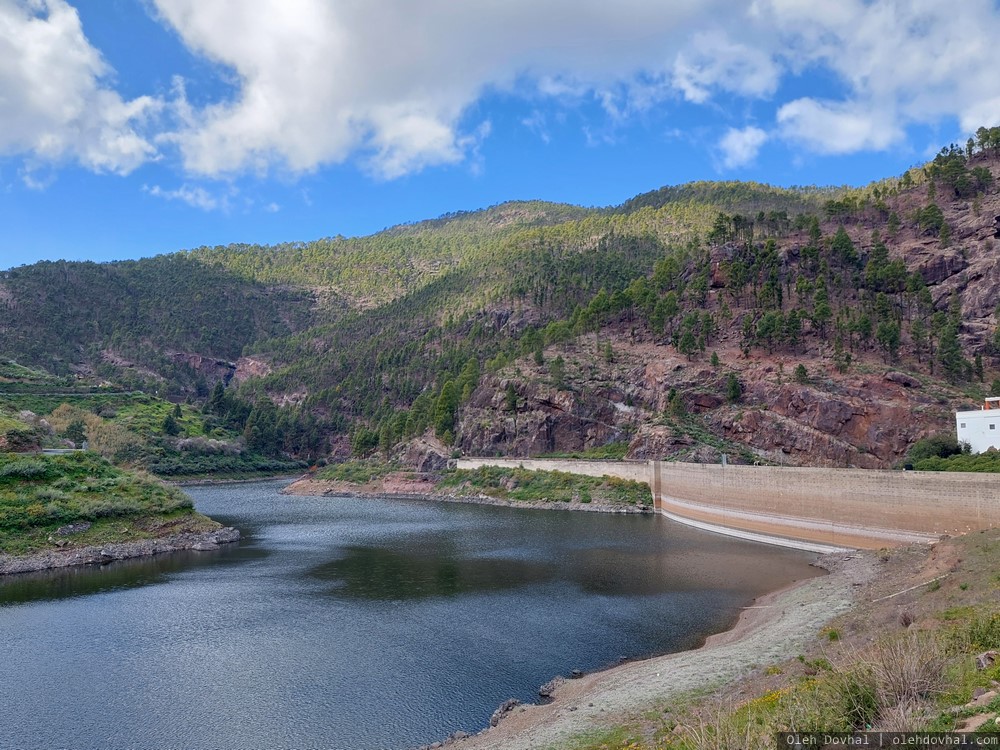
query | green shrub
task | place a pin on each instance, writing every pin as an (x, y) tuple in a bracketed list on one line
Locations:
[(941, 445), (24, 468), (982, 462), (548, 486)]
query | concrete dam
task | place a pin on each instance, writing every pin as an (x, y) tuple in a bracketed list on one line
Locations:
[(809, 508)]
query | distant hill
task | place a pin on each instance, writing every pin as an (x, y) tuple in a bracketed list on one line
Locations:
[(845, 323)]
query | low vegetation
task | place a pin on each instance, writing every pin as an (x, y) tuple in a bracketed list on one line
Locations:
[(609, 452), (39, 494), (981, 462), (546, 486)]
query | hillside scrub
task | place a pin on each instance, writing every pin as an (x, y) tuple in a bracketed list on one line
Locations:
[(355, 472), (39, 494), (988, 462), (378, 339), (941, 445), (546, 486)]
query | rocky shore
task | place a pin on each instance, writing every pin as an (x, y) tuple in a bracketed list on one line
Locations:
[(99, 555), (407, 488)]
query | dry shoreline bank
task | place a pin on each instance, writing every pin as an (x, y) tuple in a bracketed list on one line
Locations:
[(775, 626)]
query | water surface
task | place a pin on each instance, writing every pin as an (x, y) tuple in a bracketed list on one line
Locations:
[(355, 623)]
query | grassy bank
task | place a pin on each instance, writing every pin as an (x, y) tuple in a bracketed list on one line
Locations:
[(39, 495), (508, 484), (545, 486)]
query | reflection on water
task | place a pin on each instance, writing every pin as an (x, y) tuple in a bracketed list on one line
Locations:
[(382, 573), (122, 574), (355, 623)]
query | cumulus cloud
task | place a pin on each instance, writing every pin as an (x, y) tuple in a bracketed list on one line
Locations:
[(740, 147), (393, 80), (900, 62), (394, 84), (196, 197), (56, 102), (712, 61)]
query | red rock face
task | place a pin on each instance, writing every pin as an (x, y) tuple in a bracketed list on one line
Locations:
[(861, 420)]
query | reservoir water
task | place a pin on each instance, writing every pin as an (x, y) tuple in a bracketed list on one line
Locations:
[(355, 623)]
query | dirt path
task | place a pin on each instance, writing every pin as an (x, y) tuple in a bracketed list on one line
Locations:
[(776, 627)]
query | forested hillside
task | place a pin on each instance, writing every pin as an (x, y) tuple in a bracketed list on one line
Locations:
[(130, 320), (794, 325)]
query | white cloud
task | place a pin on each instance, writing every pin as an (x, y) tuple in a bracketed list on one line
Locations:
[(537, 123), (55, 100), (394, 80), (196, 197), (713, 61), (740, 147), (393, 84), (901, 63), (836, 128)]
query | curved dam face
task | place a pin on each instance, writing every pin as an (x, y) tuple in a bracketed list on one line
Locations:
[(810, 508)]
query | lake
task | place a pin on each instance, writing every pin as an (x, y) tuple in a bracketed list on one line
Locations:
[(356, 623)]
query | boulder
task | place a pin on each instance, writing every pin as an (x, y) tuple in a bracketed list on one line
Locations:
[(902, 379), (986, 660), (549, 688), (73, 528), (504, 709)]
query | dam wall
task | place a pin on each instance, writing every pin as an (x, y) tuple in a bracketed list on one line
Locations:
[(811, 508)]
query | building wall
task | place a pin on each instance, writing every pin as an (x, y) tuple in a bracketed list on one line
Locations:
[(977, 432), (834, 507)]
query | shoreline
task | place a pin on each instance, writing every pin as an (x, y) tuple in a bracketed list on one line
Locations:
[(769, 629), (204, 541), (773, 627), (208, 482), (424, 491)]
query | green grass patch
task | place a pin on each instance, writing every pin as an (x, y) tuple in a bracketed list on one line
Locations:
[(38, 494), (106, 531), (547, 486), (609, 452)]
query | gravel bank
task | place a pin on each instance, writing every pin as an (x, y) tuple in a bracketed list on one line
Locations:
[(62, 558)]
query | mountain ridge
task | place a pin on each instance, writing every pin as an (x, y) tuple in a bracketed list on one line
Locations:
[(367, 333)]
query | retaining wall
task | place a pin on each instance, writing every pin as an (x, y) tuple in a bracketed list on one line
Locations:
[(809, 507)]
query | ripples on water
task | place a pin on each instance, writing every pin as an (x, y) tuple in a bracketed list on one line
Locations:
[(355, 623)]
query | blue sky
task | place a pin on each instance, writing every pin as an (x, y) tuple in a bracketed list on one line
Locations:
[(136, 127)]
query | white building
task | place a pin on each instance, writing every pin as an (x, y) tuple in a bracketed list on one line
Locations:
[(980, 428)]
